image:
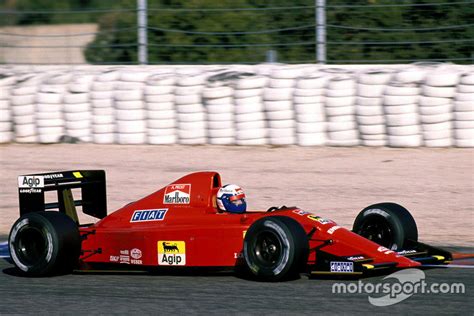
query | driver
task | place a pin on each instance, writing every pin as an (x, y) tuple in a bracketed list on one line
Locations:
[(231, 198)]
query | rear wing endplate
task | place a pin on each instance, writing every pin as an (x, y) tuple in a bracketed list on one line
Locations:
[(32, 188)]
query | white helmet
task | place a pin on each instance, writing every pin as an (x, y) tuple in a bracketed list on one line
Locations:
[(231, 198)]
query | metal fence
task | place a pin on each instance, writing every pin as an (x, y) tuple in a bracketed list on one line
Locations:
[(319, 31)]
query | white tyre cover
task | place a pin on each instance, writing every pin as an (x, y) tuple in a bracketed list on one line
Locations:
[(443, 142), (404, 141), (372, 129), (433, 110), (193, 141), (374, 143), (192, 90), (218, 133), (465, 133), (246, 93), (166, 78), (191, 133), (76, 116), (248, 108), (410, 75), (103, 111), (341, 126), (255, 116), (464, 143), (371, 120), (219, 101), (403, 130), (5, 115), (286, 72), (193, 80), (401, 109), (199, 125), (283, 141), (433, 101), (26, 139), (439, 92), (129, 105), (159, 98), (368, 110), (103, 86), (313, 127), (190, 108), (163, 124), (44, 107), (188, 99), (160, 106), (437, 126), (134, 76), (399, 100), (318, 81), (26, 90), (193, 117), (310, 117), (49, 98), (70, 125), (50, 123), (280, 115), (56, 130), (343, 135), (161, 131), (338, 93), (131, 126), (5, 127), (250, 125), (103, 128), (25, 130), (436, 118), (373, 137), (158, 90), (342, 118), (399, 88), (48, 138), (76, 98), (21, 110), (343, 142), (252, 141), (220, 108), (106, 138), (24, 119), (375, 76), (340, 110), (308, 92), (442, 78), (465, 88), (309, 99), (23, 99), (52, 89), (311, 139), (281, 124), (220, 124), (281, 83), (369, 101), (99, 95), (370, 91), (217, 92), (78, 107), (6, 137), (310, 108), (160, 115), (341, 83), (4, 104), (131, 138), (162, 140), (4, 93), (467, 78), (278, 105), (441, 134), (250, 100), (220, 116), (102, 103), (251, 133), (463, 124), (464, 96), (402, 119), (273, 94), (222, 141), (253, 82), (340, 101), (130, 115)]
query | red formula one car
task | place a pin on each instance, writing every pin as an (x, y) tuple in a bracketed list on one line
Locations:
[(179, 227)]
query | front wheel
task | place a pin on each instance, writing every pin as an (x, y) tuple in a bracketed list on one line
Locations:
[(44, 243), (387, 224), (276, 248)]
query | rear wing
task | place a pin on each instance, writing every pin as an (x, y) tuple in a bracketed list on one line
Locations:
[(32, 188)]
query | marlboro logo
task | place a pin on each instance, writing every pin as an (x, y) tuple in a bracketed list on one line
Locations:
[(177, 194)]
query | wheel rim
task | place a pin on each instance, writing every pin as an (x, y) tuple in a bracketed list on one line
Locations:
[(378, 232), (32, 245), (268, 249)]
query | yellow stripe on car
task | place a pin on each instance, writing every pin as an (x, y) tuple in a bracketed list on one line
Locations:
[(77, 174)]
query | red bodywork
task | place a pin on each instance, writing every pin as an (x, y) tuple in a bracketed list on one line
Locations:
[(186, 229)]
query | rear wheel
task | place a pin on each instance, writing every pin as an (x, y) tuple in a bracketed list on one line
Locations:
[(387, 224), (276, 248), (44, 243)]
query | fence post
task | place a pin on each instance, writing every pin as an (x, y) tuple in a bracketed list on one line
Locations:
[(320, 15), (142, 32)]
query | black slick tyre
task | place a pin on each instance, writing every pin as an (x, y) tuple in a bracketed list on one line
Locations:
[(387, 224), (276, 248), (44, 243)]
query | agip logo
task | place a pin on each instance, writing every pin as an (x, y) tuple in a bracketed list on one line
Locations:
[(177, 194), (31, 182), (171, 253)]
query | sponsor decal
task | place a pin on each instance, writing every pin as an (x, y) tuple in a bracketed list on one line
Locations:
[(54, 176), (406, 252), (177, 194), (148, 215), (384, 250), (243, 234), (77, 174), (30, 190), (136, 254), (355, 258), (238, 255), (114, 258), (342, 267), (333, 229), (171, 253), (301, 212), (319, 219), (30, 182)]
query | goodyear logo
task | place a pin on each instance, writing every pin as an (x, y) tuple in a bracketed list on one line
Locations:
[(342, 267), (171, 253), (148, 215)]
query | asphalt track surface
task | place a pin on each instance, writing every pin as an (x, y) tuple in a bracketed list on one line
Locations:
[(217, 293)]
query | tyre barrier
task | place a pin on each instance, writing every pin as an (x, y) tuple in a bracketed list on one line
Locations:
[(421, 104)]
